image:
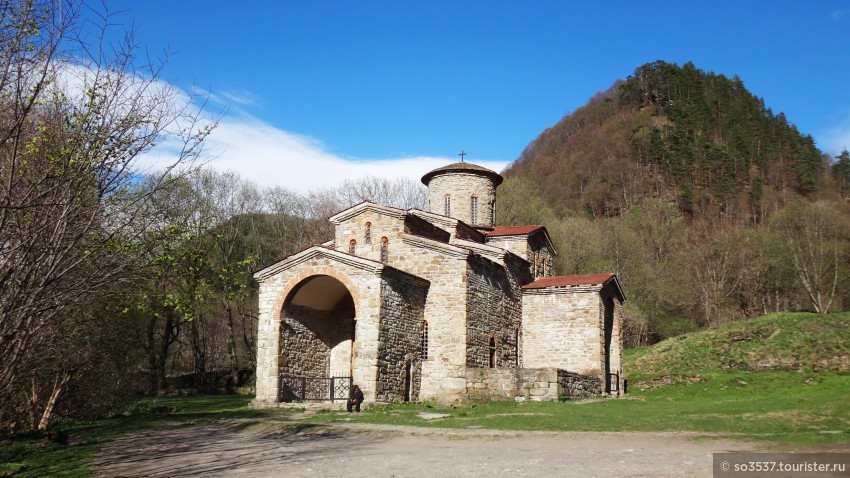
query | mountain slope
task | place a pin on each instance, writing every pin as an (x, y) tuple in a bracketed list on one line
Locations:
[(676, 133)]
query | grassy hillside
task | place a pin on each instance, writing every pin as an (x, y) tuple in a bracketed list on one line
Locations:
[(780, 378), (798, 342)]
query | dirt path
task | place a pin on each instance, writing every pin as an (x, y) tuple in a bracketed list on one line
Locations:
[(253, 448)]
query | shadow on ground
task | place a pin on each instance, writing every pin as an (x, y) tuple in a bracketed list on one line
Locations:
[(244, 446)]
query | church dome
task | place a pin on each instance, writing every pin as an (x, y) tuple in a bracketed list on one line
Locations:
[(464, 191), (462, 167)]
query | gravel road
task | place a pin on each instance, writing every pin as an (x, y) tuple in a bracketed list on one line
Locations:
[(255, 448)]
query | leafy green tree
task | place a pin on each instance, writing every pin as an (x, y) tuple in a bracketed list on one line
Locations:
[(73, 131), (655, 285), (519, 203)]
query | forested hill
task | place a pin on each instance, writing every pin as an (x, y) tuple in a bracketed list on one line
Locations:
[(708, 206), (676, 133)]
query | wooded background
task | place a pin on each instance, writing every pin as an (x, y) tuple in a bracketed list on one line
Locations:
[(117, 281)]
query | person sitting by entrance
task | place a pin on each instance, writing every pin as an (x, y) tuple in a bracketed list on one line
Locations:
[(355, 398)]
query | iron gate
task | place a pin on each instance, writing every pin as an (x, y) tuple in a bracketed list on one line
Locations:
[(313, 389)]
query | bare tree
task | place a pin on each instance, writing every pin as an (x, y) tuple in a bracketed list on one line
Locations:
[(77, 118), (815, 234), (717, 269), (402, 192)]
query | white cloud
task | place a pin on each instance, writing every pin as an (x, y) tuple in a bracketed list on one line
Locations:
[(241, 97), (269, 156), (242, 143), (224, 99)]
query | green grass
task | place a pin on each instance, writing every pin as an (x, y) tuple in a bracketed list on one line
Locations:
[(781, 378), (787, 341), (32, 456), (777, 406)]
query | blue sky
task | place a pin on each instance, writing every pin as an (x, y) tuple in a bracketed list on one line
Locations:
[(400, 87)]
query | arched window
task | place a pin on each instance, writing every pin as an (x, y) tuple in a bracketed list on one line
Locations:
[(474, 210), (447, 205), (385, 249), (367, 239), (493, 213), (424, 339), (492, 347), (352, 246)]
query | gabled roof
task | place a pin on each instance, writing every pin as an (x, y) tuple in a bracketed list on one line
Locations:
[(352, 211), (462, 230), (599, 280), (499, 231), (521, 231), (314, 251), (569, 281), (419, 226), (334, 255)]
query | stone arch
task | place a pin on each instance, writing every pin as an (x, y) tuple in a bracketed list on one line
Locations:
[(317, 312), (318, 271)]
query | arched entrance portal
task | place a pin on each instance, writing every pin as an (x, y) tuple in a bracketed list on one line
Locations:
[(317, 340)]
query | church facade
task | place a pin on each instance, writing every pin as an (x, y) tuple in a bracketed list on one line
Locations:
[(439, 305)]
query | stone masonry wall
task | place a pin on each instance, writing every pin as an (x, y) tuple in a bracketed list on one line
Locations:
[(539, 255), (445, 308), (494, 310), (461, 187), (316, 343), (573, 386), (516, 244), (402, 313), (274, 289), (617, 347), (304, 345), (491, 384), (420, 227), (610, 299), (534, 249), (528, 384), (562, 328), (444, 267), (382, 225)]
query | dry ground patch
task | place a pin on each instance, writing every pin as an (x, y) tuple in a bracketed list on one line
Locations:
[(269, 448)]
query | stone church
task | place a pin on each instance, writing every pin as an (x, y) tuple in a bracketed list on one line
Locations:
[(439, 305)]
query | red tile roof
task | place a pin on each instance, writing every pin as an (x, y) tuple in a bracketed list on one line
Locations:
[(569, 281), (512, 230)]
